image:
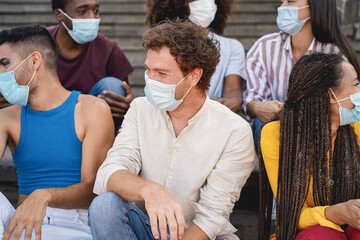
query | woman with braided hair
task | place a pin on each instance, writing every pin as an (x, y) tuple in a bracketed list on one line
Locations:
[(226, 82), (310, 158)]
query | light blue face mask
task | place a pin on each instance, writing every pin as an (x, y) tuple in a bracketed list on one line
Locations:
[(288, 20), (83, 30), (13, 92), (349, 116), (162, 96)]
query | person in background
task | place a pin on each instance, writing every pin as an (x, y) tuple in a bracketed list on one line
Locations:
[(310, 156), (226, 82), (306, 27), (173, 156), (58, 139), (88, 61)]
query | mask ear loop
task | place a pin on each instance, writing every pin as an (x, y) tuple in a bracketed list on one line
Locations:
[(338, 102), (67, 17), (22, 62), (31, 79)]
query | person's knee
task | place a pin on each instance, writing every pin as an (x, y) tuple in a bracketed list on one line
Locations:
[(319, 232), (112, 84), (107, 205)]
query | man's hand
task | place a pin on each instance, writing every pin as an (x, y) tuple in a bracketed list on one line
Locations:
[(28, 216), (233, 104), (3, 102), (164, 210), (264, 110), (345, 213), (121, 104)]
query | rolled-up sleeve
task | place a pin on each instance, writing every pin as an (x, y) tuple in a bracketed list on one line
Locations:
[(256, 84), (124, 154), (222, 190)]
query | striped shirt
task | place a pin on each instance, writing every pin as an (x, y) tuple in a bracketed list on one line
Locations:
[(269, 63)]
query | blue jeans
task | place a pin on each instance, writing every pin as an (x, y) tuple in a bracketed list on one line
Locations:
[(109, 84), (257, 125), (112, 217)]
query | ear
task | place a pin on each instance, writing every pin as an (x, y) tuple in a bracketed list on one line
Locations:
[(195, 76), (58, 15), (36, 60), (332, 97)]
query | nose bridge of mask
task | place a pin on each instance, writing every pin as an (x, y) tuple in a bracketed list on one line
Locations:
[(355, 97)]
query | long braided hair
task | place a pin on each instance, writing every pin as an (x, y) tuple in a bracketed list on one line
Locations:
[(306, 149)]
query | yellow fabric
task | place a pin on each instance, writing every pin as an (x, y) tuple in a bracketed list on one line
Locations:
[(310, 215)]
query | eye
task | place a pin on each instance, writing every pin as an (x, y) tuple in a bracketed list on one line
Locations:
[(5, 62), (82, 11), (162, 74), (357, 82), (96, 11)]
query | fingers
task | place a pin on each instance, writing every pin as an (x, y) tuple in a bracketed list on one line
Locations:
[(221, 100), (28, 233), (113, 95), (173, 226), (163, 227), (115, 104), (118, 115), (9, 230), (154, 225), (181, 223), (129, 93), (38, 232)]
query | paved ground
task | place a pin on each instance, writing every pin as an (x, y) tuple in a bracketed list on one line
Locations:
[(243, 218)]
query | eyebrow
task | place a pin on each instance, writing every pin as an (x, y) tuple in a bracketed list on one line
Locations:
[(158, 69), (86, 6)]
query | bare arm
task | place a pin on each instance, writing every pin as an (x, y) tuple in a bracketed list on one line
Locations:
[(345, 213), (194, 232), (98, 138), (233, 94), (264, 110)]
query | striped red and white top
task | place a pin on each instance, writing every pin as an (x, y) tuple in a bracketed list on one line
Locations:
[(269, 63)]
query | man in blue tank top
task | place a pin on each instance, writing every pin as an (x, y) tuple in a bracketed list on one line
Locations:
[(58, 140)]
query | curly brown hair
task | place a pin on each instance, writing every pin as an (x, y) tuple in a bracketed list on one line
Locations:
[(189, 44), (159, 10)]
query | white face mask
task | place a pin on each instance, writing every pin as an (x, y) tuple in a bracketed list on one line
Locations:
[(83, 30), (162, 96), (202, 12)]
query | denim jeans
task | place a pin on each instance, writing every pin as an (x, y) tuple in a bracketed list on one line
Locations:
[(109, 84), (257, 125), (112, 217)]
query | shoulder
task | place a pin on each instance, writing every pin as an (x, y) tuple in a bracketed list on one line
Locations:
[(53, 29), (273, 37), (10, 115), (92, 106), (227, 117)]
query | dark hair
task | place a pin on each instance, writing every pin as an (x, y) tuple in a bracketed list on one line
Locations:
[(326, 28), (59, 4), (159, 10), (29, 38), (306, 149), (189, 44)]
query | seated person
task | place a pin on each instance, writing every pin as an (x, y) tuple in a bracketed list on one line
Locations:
[(226, 82), (311, 155), (88, 61), (173, 156), (58, 139), (307, 26)]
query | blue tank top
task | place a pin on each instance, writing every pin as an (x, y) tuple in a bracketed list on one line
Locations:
[(49, 152)]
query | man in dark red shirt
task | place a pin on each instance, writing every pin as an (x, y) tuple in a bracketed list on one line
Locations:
[(88, 61)]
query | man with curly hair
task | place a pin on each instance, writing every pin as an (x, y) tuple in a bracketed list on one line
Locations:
[(173, 156), (226, 82)]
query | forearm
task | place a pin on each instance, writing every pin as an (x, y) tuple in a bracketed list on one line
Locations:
[(77, 196), (135, 188), (195, 233), (251, 108)]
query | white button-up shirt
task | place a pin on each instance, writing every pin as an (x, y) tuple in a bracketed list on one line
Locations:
[(204, 167)]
